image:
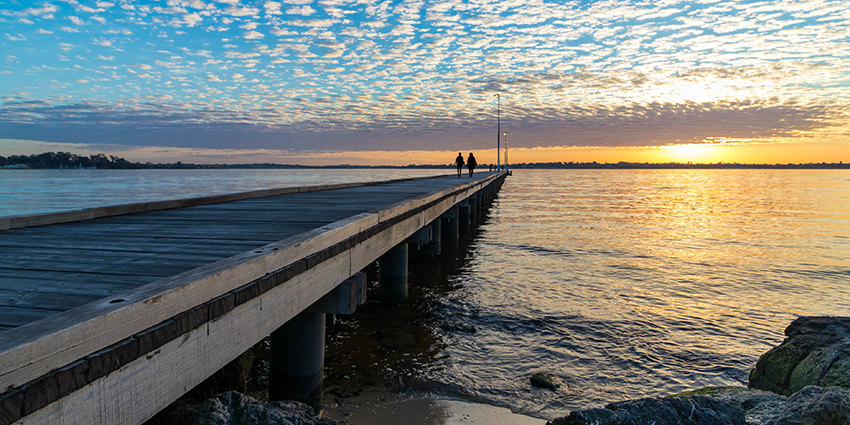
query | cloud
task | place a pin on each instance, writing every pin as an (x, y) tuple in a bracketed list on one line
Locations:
[(281, 32), (43, 12), (253, 35), (241, 11), (312, 22), (272, 8), (302, 10)]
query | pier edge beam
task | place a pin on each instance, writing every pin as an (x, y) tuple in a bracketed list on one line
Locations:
[(392, 274), (297, 359)]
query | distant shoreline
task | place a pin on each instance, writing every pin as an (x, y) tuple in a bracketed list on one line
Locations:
[(65, 160)]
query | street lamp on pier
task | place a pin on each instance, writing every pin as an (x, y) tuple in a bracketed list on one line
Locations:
[(506, 151), (498, 131)]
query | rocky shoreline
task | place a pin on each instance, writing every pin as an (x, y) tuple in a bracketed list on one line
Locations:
[(803, 381)]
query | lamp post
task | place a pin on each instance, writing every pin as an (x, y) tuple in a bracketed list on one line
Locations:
[(498, 131), (506, 151)]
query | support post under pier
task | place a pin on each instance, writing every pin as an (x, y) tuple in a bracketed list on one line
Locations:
[(449, 224), (432, 248), (463, 213), (296, 360), (392, 274)]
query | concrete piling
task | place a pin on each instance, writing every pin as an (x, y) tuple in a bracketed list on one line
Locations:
[(296, 360), (392, 274), (463, 214), (449, 224), (432, 248)]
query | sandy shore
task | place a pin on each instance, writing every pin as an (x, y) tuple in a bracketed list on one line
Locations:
[(383, 407)]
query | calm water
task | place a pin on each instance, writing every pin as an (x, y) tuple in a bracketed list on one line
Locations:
[(623, 283)]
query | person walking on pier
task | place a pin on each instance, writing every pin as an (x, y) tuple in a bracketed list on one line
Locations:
[(459, 163), (471, 163)]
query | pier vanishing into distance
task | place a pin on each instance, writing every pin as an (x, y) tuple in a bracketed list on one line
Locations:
[(108, 315)]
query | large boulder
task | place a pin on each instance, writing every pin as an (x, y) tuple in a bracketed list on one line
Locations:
[(691, 410), (760, 407), (232, 408), (816, 351), (816, 406)]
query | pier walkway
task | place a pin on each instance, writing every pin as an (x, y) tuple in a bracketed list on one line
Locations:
[(110, 314)]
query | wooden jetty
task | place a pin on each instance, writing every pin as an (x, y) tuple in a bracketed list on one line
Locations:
[(107, 315)]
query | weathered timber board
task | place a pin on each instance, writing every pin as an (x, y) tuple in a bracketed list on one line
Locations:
[(16, 316), (89, 288), (128, 243), (68, 281), (142, 268), (216, 248), (25, 298), (49, 254)]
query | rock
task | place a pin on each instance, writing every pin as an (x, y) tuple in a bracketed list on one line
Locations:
[(816, 406), (760, 407), (816, 351), (232, 408), (543, 380), (692, 410)]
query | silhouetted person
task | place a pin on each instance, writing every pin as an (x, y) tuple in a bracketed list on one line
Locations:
[(459, 163), (471, 163)]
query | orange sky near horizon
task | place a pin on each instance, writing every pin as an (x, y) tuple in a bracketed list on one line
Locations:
[(833, 151)]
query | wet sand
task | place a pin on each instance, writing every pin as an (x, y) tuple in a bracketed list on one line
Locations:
[(384, 407)]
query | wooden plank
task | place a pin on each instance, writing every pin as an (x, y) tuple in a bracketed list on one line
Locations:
[(228, 231), (24, 299), (143, 268), (45, 287), (127, 243), (60, 254), (13, 316), (70, 280)]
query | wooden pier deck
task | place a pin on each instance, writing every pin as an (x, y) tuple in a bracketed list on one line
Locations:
[(110, 314)]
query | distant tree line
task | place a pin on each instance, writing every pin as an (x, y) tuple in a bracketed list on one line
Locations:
[(54, 160)]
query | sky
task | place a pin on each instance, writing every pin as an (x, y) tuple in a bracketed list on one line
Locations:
[(412, 81)]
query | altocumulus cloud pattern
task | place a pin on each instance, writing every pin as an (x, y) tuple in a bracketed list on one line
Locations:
[(305, 75)]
